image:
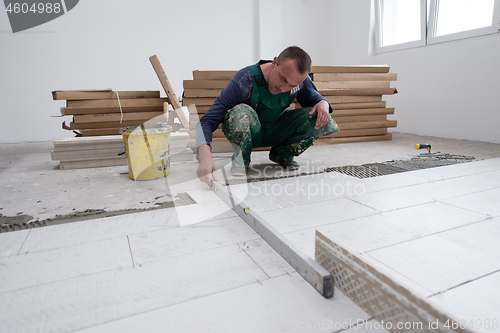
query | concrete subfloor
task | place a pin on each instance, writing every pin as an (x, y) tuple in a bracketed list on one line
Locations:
[(35, 189), (199, 268)]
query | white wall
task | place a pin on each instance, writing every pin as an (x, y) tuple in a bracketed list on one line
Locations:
[(107, 44), (447, 90)]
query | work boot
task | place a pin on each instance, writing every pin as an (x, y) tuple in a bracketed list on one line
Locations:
[(276, 158)]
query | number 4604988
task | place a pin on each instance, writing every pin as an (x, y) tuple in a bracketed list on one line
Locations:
[(36, 8)]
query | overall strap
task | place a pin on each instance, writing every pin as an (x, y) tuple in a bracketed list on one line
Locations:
[(257, 83)]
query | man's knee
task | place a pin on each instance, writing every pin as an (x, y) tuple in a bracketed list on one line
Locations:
[(240, 118)]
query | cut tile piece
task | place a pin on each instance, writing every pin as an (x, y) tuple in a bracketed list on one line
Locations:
[(375, 290), (173, 242), (423, 193), (44, 267), (283, 304), (385, 229), (11, 242), (315, 214), (485, 202), (476, 303), (266, 258), (445, 260), (78, 303)]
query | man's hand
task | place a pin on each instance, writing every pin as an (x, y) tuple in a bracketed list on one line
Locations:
[(322, 108), (206, 169)]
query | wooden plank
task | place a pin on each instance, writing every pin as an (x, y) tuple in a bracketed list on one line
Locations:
[(100, 132), (359, 112), (358, 105), (213, 75), (164, 82), (101, 94), (116, 117), (87, 154), (208, 84), (357, 132), (91, 103), (351, 69), (201, 93), (111, 124), (182, 116), (353, 77), (358, 91), (371, 286), (101, 163), (368, 124), (359, 118), (310, 270), (351, 84), (199, 101), (330, 141), (113, 109), (352, 99)]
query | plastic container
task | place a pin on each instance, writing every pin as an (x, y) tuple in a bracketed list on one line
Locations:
[(148, 151)]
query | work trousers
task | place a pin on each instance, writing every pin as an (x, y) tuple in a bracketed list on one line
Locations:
[(289, 136)]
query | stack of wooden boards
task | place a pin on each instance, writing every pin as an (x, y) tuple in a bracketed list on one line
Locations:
[(106, 151), (98, 112), (202, 91), (354, 92)]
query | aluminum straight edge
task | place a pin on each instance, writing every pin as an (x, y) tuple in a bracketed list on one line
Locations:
[(309, 269)]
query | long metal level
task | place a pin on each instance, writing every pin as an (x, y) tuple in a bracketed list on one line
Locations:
[(310, 270)]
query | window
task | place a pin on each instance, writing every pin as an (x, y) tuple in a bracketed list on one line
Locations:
[(403, 24)]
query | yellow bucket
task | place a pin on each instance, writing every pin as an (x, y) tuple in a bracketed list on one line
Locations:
[(148, 151)]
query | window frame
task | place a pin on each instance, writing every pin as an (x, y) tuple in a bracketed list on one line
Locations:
[(378, 29), (428, 28), (431, 39)]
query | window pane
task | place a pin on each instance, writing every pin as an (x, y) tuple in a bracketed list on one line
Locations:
[(400, 21), (462, 15)]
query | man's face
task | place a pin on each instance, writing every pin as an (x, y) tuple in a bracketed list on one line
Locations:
[(284, 77)]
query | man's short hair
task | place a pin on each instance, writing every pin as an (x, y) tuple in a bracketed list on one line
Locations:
[(302, 59)]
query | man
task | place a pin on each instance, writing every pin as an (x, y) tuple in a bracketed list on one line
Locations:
[(252, 111)]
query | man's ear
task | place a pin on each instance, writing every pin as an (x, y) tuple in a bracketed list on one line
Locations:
[(275, 61)]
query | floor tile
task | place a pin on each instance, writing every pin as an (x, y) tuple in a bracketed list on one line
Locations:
[(283, 304), (475, 304), (485, 202), (160, 244), (123, 225), (44, 267), (83, 302), (315, 214), (11, 242), (423, 193), (493, 174), (266, 258), (445, 260), (397, 226)]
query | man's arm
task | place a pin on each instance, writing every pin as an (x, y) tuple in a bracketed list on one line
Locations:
[(206, 169), (309, 96), (236, 92)]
